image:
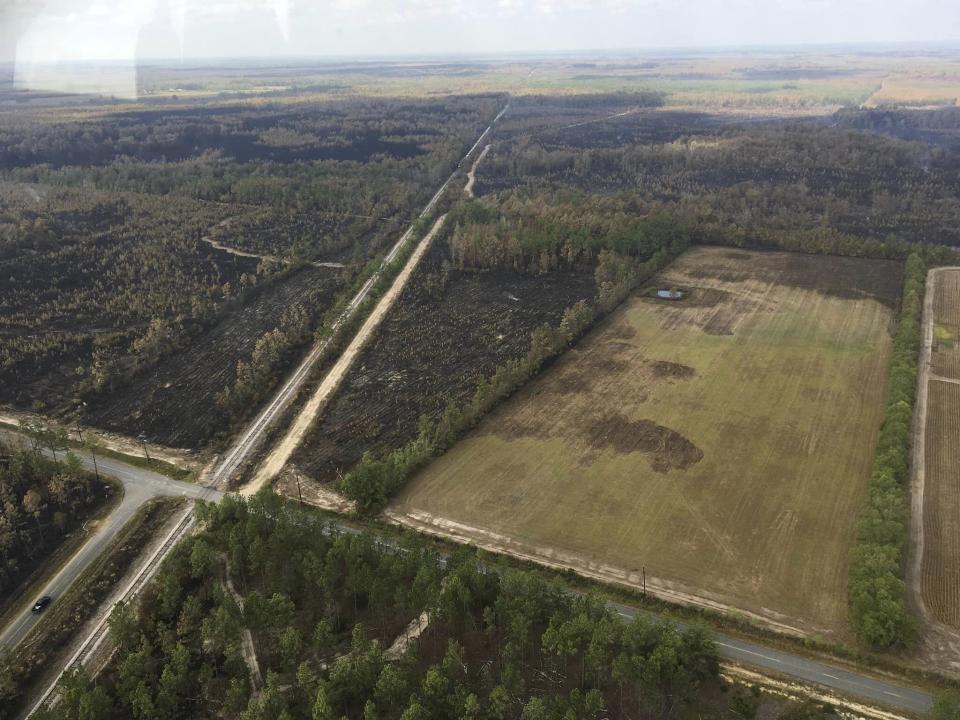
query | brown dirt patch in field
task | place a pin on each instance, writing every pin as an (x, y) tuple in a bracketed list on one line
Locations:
[(622, 332), (671, 370), (739, 255), (706, 297), (741, 480), (579, 377), (721, 323), (668, 449)]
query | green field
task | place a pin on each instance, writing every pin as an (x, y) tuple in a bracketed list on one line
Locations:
[(722, 442)]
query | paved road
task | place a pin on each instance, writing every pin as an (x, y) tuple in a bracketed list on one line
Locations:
[(139, 486), (830, 676), (278, 457), (838, 680), (143, 484), (241, 450), (792, 667)]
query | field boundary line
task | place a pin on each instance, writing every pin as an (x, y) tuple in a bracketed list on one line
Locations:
[(918, 458), (502, 545), (940, 378)]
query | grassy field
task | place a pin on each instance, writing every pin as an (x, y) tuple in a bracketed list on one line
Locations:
[(723, 442), (940, 575), (751, 82)]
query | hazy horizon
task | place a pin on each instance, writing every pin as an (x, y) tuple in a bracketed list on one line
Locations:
[(42, 40), (136, 30), (811, 49)]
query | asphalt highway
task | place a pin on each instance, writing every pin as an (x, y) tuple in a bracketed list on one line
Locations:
[(139, 486), (796, 667)]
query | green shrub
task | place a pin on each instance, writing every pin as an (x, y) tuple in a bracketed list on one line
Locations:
[(878, 608)]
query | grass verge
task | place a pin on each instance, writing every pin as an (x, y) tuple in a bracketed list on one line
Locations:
[(157, 466)]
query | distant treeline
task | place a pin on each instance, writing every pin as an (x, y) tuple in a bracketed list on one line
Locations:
[(752, 179), (542, 231)]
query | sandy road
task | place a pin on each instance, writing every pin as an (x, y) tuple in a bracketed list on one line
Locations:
[(738, 650), (472, 175), (924, 378), (253, 436), (282, 452)]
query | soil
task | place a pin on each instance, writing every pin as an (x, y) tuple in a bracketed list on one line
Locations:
[(449, 330), (667, 449), (175, 403), (279, 456)]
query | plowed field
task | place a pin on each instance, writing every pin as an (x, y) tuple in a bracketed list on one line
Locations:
[(723, 442), (940, 576)]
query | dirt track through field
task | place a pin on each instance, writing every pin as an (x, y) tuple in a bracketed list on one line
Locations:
[(472, 175), (932, 575), (279, 456), (247, 646)]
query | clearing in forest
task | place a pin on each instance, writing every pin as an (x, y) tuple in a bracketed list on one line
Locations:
[(723, 443), (940, 572)]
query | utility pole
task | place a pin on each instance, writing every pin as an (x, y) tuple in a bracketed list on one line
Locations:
[(644, 580), (297, 476), (142, 437), (93, 452)]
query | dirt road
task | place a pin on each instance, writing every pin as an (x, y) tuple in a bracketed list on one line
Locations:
[(795, 667), (472, 175), (939, 640), (249, 442), (282, 452)]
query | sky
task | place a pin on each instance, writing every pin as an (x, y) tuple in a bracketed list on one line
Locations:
[(135, 30)]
